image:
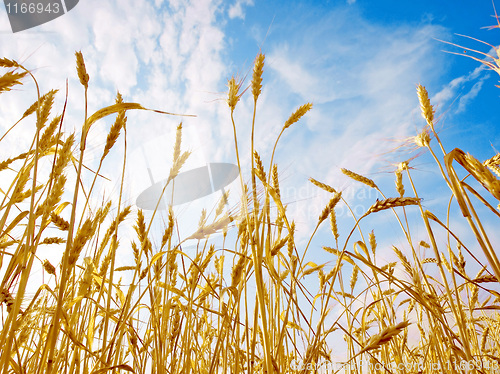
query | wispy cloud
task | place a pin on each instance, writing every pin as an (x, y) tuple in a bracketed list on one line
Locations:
[(451, 90), (469, 96), (236, 9)]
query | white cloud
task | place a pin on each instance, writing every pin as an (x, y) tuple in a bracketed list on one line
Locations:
[(469, 96), (236, 9), (165, 60), (451, 90)]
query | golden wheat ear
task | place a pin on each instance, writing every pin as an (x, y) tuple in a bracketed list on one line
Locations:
[(10, 79)]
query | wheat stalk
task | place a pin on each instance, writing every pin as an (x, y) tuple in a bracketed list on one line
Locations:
[(359, 178), (392, 202), (257, 76), (323, 186), (297, 115), (425, 105), (114, 132), (234, 94), (81, 70), (384, 337), (8, 80), (329, 208), (82, 236)]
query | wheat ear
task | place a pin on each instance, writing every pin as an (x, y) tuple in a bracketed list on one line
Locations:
[(359, 178)]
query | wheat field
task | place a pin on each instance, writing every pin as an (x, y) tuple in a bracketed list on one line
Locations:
[(245, 305)]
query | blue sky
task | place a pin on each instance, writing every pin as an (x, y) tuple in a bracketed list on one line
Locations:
[(358, 62)]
